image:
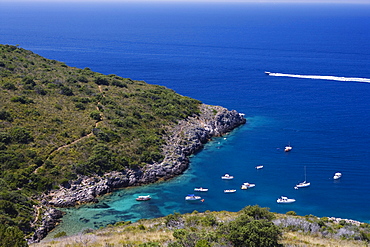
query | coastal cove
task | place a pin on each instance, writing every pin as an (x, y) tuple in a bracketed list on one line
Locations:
[(219, 54)]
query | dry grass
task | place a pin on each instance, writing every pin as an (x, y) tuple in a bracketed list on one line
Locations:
[(302, 240), (130, 235), (155, 230)]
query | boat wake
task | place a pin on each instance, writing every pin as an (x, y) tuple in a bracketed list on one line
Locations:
[(321, 77)]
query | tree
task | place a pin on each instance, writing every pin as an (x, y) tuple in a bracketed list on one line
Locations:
[(254, 234), (252, 228)]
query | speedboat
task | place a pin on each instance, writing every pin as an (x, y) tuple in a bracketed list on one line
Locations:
[(259, 167), (229, 191), (143, 198), (288, 148), (337, 175), (201, 189), (227, 176), (192, 197), (284, 199), (247, 186), (267, 73)]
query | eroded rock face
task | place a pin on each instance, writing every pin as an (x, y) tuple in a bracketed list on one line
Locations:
[(51, 217), (182, 140)]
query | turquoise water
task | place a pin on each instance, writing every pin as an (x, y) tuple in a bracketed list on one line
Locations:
[(218, 54)]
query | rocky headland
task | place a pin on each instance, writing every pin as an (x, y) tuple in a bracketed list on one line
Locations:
[(182, 140)]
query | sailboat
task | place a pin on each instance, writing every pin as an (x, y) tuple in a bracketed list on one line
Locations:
[(304, 183)]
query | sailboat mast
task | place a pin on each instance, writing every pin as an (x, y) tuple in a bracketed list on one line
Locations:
[(305, 175)]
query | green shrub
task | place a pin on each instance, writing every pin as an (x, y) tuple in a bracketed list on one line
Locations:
[(11, 236), (291, 213), (60, 234)]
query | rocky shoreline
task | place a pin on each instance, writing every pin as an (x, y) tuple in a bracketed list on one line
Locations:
[(182, 140)]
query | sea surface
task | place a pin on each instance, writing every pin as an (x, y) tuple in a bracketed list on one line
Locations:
[(218, 53)]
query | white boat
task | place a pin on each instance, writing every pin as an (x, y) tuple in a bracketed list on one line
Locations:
[(229, 191), (267, 73), (284, 199), (259, 167), (227, 176), (201, 189), (247, 186), (288, 148), (337, 175), (304, 183), (143, 198), (192, 197)]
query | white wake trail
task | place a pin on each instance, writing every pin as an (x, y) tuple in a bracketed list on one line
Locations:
[(321, 77)]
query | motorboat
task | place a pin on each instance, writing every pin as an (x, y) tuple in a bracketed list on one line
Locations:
[(247, 186), (201, 189), (288, 148), (259, 167), (192, 197), (304, 183), (227, 176), (337, 175), (229, 191), (284, 199), (143, 198), (267, 73)]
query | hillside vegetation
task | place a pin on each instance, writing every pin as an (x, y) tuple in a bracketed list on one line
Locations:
[(57, 121), (251, 227)]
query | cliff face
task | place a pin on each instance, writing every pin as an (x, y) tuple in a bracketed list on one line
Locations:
[(182, 140)]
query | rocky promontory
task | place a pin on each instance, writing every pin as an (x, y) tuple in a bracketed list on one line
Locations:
[(182, 140), (185, 138)]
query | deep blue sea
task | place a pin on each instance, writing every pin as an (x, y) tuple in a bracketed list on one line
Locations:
[(218, 53)]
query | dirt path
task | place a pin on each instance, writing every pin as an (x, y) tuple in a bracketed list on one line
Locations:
[(81, 138)]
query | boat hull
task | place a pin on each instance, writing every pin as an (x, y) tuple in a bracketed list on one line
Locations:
[(200, 189), (303, 185), (285, 200), (229, 191)]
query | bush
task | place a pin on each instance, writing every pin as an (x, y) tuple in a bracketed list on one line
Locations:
[(101, 81), (9, 86), (95, 115), (254, 233), (60, 234), (292, 213), (11, 236), (21, 135), (21, 99)]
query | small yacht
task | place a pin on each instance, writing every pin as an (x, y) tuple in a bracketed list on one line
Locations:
[(229, 191), (247, 186), (192, 197), (227, 176), (284, 199), (143, 198), (337, 175), (259, 167), (201, 189), (288, 148)]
